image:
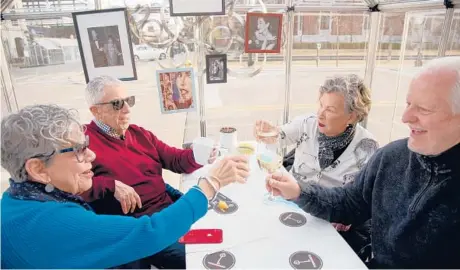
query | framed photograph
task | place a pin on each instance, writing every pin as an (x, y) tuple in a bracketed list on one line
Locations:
[(105, 43), (198, 8), (263, 32), (216, 68), (176, 90)]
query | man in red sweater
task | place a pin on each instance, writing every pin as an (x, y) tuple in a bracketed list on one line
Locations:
[(128, 166)]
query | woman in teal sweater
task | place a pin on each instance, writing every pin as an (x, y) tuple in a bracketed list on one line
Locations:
[(45, 224)]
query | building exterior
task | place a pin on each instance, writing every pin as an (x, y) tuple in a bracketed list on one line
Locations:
[(19, 35), (332, 30)]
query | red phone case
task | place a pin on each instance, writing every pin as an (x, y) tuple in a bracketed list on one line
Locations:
[(202, 236)]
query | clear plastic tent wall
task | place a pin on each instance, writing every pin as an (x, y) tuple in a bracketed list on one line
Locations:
[(384, 42)]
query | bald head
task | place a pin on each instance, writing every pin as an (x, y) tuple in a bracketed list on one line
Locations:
[(443, 76)]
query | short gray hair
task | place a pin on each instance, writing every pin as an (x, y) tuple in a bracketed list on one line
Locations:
[(34, 132), (95, 88), (357, 95), (448, 63)]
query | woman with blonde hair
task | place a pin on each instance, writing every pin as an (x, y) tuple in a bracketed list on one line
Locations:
[(331, 146)]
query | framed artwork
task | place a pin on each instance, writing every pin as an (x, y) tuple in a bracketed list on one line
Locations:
[(105, 44), (263, 32), (216, 68), (176, 90), (196, 8)]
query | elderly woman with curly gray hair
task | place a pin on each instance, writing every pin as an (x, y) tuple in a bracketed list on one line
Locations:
[(46, 224), (331, 146)]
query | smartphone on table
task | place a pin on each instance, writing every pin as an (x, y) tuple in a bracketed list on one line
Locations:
[(202, 236)]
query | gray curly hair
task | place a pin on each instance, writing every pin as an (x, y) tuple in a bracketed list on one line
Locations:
[(357, 95), (95, 88), (35, 132)]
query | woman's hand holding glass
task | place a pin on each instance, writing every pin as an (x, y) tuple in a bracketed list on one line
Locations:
[(284, 185), (224, 172), (230, 169), (266, 132)]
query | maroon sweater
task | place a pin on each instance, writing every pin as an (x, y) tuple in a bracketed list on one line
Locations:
[(137, 161)]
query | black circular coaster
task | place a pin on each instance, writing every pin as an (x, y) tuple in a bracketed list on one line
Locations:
[(232, 208), (219, 260), (305, 260), (293, 219)]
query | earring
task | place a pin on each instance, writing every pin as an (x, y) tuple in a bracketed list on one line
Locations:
[(49, 187)]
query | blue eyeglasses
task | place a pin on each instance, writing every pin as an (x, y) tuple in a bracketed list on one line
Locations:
[(79, 150)]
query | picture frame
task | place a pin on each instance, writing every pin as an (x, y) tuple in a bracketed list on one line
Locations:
[(263, 32), (176, 90), (199, 7), (216, 68), (105, 45)]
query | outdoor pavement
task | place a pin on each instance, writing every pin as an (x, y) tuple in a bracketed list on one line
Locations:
[(238, 103)]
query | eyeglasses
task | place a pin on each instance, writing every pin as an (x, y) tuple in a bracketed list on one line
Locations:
[(79, 150), (118, 104)]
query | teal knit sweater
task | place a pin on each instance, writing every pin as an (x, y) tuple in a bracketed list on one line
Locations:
[(65, 235)]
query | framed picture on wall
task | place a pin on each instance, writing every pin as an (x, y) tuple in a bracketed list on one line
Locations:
[(176, 90), (105, 43), (216, 68), (263, 32), (196, 8)]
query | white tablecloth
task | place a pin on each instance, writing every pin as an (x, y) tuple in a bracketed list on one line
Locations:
[(256, 237)]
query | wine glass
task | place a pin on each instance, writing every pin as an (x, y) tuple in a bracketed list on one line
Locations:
[(270, 162), (269, 154), (266, 133)]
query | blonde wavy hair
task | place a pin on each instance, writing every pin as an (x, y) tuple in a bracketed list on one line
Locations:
[(357, 95)]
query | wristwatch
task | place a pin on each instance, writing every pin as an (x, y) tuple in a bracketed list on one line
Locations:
[(216, 191)]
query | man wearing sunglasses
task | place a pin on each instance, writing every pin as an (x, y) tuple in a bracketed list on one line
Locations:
[(128, 167)]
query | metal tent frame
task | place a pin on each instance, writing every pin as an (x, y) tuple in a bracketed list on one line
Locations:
[(375, 8)]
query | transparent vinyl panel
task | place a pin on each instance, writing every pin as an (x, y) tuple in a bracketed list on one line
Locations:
[(45, 64)]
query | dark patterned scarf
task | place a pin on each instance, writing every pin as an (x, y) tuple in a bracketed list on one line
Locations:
[(328, 145), (34, 191)]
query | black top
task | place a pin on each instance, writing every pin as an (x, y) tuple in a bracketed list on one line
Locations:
[(413, 201)]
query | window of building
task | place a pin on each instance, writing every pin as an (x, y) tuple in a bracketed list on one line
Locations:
[(325, 23)]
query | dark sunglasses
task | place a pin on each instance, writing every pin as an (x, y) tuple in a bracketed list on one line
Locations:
[(118, 104), (78, 149)]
